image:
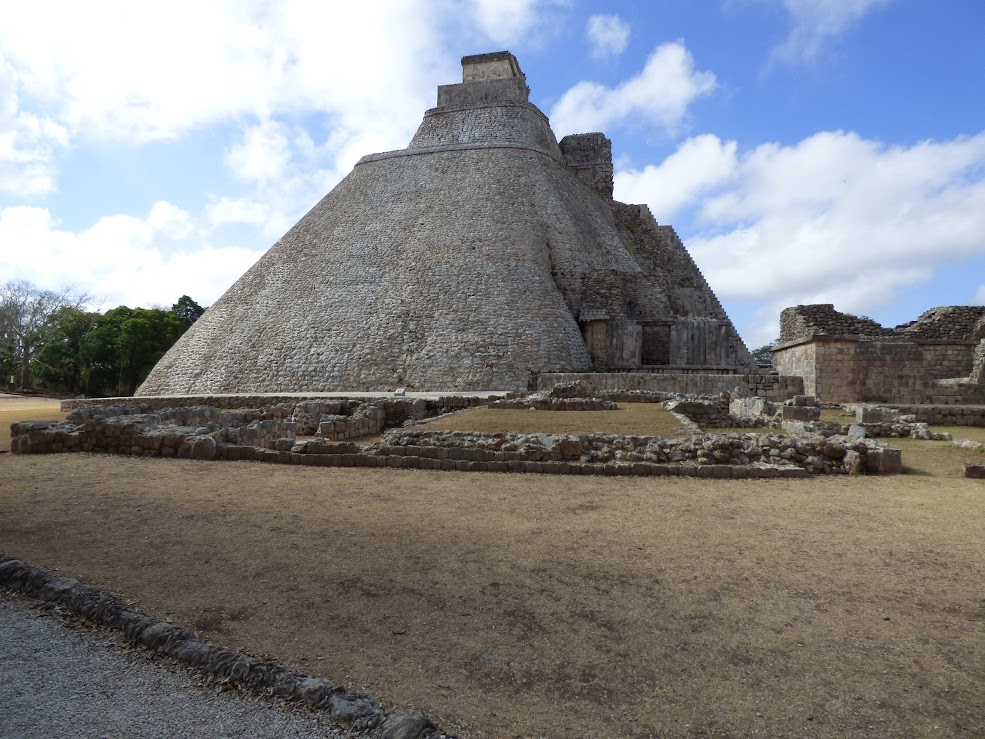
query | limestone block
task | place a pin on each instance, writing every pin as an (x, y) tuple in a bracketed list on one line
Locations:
[(884, 461), (852, 462), (873, 414), (800, 413), (975, 471)]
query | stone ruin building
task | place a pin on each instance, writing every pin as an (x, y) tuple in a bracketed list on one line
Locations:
[(483, 255), (937, 359)]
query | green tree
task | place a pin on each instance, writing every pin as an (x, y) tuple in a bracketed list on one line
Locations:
[(187, 311), (59, 361), (124, 346), (763, 355), (24, 307)]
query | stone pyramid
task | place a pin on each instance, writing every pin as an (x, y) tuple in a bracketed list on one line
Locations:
[(479, 256)]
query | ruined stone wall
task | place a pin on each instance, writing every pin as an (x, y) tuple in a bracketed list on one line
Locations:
[(954, 323), (800, 360), (771, 386), (804, 321), (843, 370), (943, 360), (671, 297), (945, 323), (589, 156), (978, 364), (844, 358), (946, 414), (494, 65)]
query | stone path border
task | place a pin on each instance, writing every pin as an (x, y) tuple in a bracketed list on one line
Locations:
[(413, 458), (359, 711)]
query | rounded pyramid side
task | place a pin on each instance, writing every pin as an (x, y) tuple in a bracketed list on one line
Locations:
[(432, 271)]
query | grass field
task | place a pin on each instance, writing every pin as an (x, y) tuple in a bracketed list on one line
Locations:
[(14, 408), (634, 419)]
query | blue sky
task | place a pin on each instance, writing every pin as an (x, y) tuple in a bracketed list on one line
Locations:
[(805, 150)]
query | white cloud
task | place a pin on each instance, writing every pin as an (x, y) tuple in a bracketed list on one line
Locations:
[(132, 72), (818, 21), (608, 35), (507, 21), (262, 155), (658, 96), (27, 142), (121, 259), (979, 298), (699, 164), (226, 211), (839, 219)]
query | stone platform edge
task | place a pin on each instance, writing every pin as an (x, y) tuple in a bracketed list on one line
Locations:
[(360, 712), (399, 460), (230, 401)]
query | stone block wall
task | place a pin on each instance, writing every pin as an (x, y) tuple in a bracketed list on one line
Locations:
[(492, 66), (943, 360), (846, 369), (945, 323), (945, 415), (804, 321), (589, 155), (771, 386), (845, 358), (978, 364)]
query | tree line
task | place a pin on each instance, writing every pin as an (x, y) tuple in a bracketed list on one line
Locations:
[(48, 339)]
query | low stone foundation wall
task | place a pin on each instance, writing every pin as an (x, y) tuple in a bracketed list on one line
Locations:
[(260, 401), (817, 454), (196, 432), (945, 415), (728, 455), (555, 404), (765, 385)]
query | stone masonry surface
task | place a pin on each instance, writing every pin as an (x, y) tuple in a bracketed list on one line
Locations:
[(844, 358), (473, 259), (270, 435)]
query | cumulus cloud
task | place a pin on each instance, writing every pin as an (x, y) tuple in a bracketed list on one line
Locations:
[(134, 73), (658, 96), (608, 35), (837, 218), (699, 164), (979, 298), (121, 259), (818, 21), (262, 155), (507, 21), (27, 142)]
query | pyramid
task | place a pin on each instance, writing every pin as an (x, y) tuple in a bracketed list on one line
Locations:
[(483, 254)]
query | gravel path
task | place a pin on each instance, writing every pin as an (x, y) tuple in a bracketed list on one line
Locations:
[(61, 682)]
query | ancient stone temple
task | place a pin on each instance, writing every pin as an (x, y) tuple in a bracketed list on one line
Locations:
[(482, 255), (937, 359)]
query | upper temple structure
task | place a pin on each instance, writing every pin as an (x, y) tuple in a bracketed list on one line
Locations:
[(481, 256)]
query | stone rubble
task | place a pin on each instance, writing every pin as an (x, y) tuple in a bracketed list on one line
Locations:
[(270, 434)]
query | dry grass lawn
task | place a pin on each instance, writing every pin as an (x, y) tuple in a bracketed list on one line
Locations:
[(529, 606), (635, 419), (14, 408)]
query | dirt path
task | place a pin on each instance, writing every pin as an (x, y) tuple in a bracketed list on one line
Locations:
[(526, 606)]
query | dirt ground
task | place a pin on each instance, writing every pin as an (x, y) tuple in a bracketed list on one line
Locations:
[(530, 606)]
